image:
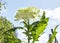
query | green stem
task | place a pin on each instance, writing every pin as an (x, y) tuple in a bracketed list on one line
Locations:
[(28, 32), (28, 39), (33, 41), (28, 35)]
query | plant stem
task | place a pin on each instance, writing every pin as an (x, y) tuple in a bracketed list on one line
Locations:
[(28, 32), (28, 39), (33, 41)]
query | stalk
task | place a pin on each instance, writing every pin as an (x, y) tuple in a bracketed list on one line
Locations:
[(28, 32), (28, 35), (28, 39), (33, 41)]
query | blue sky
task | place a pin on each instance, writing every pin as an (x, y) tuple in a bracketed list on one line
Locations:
[(13, 5), (44, 4), (48, 5)]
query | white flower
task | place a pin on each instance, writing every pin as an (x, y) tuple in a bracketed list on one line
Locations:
[(27, 13)]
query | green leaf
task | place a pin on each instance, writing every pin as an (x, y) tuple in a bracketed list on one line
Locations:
[(53, 35), (43, 16), (39, 27), (7, 32)]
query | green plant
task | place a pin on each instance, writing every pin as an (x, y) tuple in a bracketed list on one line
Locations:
[(34, 30), (39, 27), (53, 35), (26, 14), (7, 32), (56, 41), (9, 36), (2, 5)]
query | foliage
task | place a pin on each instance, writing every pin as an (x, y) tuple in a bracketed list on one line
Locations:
[(7, 32), (4, 24), (39, 27), (34, 30), (53, 35), (10, 37), (2, 5), (26, 14)]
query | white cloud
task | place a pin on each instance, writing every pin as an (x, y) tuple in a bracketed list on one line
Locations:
[(58, 37), (51, 13), (43, 39), (54, 14)]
